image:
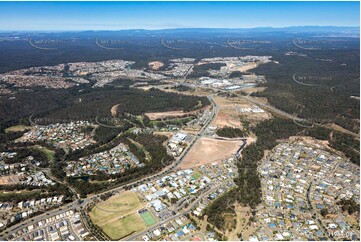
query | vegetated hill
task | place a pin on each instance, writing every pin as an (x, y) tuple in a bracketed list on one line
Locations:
[(326, 81), (70, 104), (134, 101), (21, 105), (144, 46), (230, 132), (202, 70)]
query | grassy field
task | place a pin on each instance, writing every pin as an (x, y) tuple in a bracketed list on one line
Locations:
[(17, 128), (141, 147), (141, 120), (121, 228), (148, 218), (196, 174), (50, 154), (19, 195), (230, 221), (118, 216), (115, 207)]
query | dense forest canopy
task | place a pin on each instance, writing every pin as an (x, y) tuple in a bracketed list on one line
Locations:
[(318, 85), (230, 132), (61, 105)]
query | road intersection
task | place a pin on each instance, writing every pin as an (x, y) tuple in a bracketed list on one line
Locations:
[(79, 204)]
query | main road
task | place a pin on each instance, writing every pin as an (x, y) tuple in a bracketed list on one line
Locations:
[(272, 109), (294, 117), (78, 206), (189, 209)]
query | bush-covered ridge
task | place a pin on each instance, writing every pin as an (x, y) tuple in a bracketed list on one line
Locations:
[(230, 132)]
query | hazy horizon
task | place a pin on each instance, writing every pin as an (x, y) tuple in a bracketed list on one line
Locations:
[(190, 28), (85, 16)]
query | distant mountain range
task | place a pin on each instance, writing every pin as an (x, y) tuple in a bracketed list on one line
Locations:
[(300, 29), (258, 29), (293, 31)]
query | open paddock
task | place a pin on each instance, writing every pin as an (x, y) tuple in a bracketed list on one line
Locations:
[(115, 207), (123, 227), (17, 128), (10, 180), (227, 118), (216, 149), (173, 114)]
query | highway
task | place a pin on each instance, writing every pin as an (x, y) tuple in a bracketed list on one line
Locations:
[(78, 206), (294, 117), (272, 109), (75, 205), (168, 169), (13, 229)]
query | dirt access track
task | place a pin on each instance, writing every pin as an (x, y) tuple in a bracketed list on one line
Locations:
[(208, 150)]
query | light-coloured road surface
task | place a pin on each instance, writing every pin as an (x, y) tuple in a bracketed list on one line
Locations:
[(189, 209), (78, 206), (293, 117)]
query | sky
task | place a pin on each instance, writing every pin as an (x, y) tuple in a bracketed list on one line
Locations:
[(59, 16)]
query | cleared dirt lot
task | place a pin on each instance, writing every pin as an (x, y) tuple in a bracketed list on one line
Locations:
[(250, 90), (10, 180), (173, 114), (227, 114), (17, 128), (232, 67), (208, 150), (114, 109), (230, 113), (155, 65), (227, 118)]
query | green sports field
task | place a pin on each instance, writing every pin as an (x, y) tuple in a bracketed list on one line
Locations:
[(148, 218)]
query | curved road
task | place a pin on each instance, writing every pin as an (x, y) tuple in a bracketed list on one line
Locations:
[(78, 206), (293, 117)]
